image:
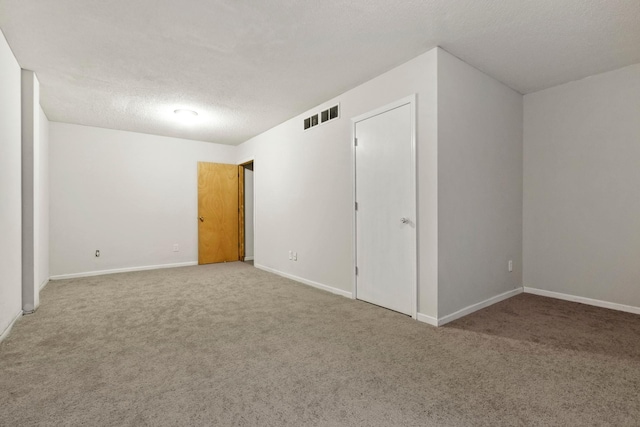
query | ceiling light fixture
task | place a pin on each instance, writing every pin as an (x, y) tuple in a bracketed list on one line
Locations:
[(185, 114)]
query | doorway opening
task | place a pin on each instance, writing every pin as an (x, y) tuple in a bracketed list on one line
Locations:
[(246, 213), (217, 212)]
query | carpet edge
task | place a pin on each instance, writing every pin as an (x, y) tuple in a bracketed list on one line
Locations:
[(121, 270), (311, 283), (583, 300)]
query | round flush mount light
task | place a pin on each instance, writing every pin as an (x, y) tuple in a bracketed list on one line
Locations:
[(185, 114)]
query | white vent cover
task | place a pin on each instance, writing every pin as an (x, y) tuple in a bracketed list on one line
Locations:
[(322, 117)]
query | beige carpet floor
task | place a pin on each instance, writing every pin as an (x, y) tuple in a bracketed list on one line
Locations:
[(232, 345)]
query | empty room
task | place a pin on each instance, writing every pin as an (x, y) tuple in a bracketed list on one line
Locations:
[(278, 213)]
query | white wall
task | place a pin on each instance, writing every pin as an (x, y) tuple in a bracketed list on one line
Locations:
[(304, 200), (479, 186), (130, 195), (41, 202), (30, 200), (581, 181), (248, 214), (10, 188)]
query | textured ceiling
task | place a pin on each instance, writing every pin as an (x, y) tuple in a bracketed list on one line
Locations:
[(247, 66)]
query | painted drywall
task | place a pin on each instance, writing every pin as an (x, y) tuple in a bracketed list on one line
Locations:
[(41, 202), (30, 144), (10, 188), (479, 186), (248, 214), (304, 200), (132, 196), (581, 175)]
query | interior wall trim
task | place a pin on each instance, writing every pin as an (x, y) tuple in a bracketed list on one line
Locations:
[(6, 331), (122, 270), (583, 300), (478, 306), (306, 282), (427, 319)]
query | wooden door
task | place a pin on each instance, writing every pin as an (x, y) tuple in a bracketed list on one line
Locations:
[(385, 215), (217, 212)]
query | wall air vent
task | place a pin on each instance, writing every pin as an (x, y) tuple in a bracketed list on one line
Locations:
[(322, 117), (333, 112)]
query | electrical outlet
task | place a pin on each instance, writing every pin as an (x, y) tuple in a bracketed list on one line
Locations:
[(97, 253), (290, 255), (295, 256), (510, 266), (176, 247)]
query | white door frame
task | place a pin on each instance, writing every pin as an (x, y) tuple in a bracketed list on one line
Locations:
[(411, 101), (247, 160)]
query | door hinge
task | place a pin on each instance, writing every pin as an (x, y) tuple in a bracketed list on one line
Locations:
[(356, 270), (355, 142), (356, 205)]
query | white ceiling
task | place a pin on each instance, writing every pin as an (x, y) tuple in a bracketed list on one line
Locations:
[(247, 66)]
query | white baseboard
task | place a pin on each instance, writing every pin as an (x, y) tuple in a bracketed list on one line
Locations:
[(5, 333), (583, 300), (122, 270), (478, 306), (44, 283), (248, 258), (306, 282), (427, 319), (26, 312)]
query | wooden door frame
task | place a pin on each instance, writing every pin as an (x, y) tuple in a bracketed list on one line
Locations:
[(411, 101), (242, 213)]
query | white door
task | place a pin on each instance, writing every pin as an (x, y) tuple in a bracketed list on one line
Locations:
[(386, 208)]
